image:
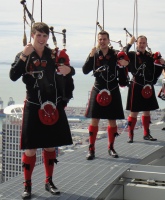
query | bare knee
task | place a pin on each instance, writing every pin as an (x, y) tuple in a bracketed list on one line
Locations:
[(50, 149), (134, 114), (30, 152), (112, 123), (95, 122)]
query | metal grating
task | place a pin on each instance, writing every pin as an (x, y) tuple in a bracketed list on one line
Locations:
[(79, 179)]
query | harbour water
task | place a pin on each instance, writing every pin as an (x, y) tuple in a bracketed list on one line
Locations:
[(83, 84)]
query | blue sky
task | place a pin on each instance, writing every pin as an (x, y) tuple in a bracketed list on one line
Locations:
[(78, 17)]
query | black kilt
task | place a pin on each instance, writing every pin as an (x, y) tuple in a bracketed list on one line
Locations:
[(34, 134), (112, 111), (136, 102)]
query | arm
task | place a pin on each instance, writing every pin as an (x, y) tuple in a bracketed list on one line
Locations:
[(123, 76), (129, 45), (159, 66), (66, 70), (163, 73), (17, 67), (88, 66)]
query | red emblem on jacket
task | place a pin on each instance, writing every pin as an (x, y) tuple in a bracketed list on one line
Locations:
[(104, 97)]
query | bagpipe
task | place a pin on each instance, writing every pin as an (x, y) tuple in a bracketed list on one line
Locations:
[(156, 56), (60, 57), (121, 55), (156, 60), (66, 84)]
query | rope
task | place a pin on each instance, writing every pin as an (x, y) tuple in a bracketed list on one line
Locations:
[(96, 33), (24, 37), (31, 20), (96, 23), (28, 59), (135, 19), (135, 24), (41, 10), (103, 13)]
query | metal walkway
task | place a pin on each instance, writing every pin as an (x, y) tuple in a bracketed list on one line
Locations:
[(79, 179)]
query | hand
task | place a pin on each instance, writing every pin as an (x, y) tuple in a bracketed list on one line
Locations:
[(64, 69), (28, 49), (162, 61), (132, 40), (93, 51), (122, 59), (122, 63)]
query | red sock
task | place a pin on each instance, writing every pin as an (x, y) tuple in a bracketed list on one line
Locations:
[(131, 125), (28, 166), (92, 136), (111, 136), (146, 124), (49, 159)]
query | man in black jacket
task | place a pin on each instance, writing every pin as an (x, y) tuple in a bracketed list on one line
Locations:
[(145, 68)]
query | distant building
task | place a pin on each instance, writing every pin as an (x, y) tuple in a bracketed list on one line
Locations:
[(11, 127), (11, 153)]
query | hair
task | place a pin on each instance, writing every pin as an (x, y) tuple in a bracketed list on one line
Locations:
[(104, 33), (142, 36), (41, 27)]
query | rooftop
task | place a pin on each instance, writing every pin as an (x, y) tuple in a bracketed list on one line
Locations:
[(79, 179)]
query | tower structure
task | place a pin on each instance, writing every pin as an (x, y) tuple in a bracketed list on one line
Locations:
[(11, 153)]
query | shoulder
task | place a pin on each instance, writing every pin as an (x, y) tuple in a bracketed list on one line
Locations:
[(113, 51), (48, 50), (149, 54)]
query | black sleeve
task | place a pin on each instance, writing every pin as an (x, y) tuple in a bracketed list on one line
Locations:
[(17, 68), (131, 64), (72, 72), (88, 66), (158, 72), (127, 48), (123, 76)]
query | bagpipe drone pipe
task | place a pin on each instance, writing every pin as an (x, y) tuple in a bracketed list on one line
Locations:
[(65, 83)]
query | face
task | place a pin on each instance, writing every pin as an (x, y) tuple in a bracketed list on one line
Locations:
[(40, 40), (141, 44), (103, 41)]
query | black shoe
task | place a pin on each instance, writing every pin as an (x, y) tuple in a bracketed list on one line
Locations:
[(90, 155), (130, 140), (149, 137), (113, 153), (163, 129), (27, 193), (50, 187), (131, 135)]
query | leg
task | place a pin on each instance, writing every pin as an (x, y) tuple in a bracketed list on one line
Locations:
[(28, 160), (112, 133), (93, 129), (49, 158), (132, 119), (146, 124)]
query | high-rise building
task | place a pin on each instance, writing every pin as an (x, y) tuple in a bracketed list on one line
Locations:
[(11, 153)]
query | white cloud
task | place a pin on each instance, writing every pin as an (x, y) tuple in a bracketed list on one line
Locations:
[(79, 17)]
